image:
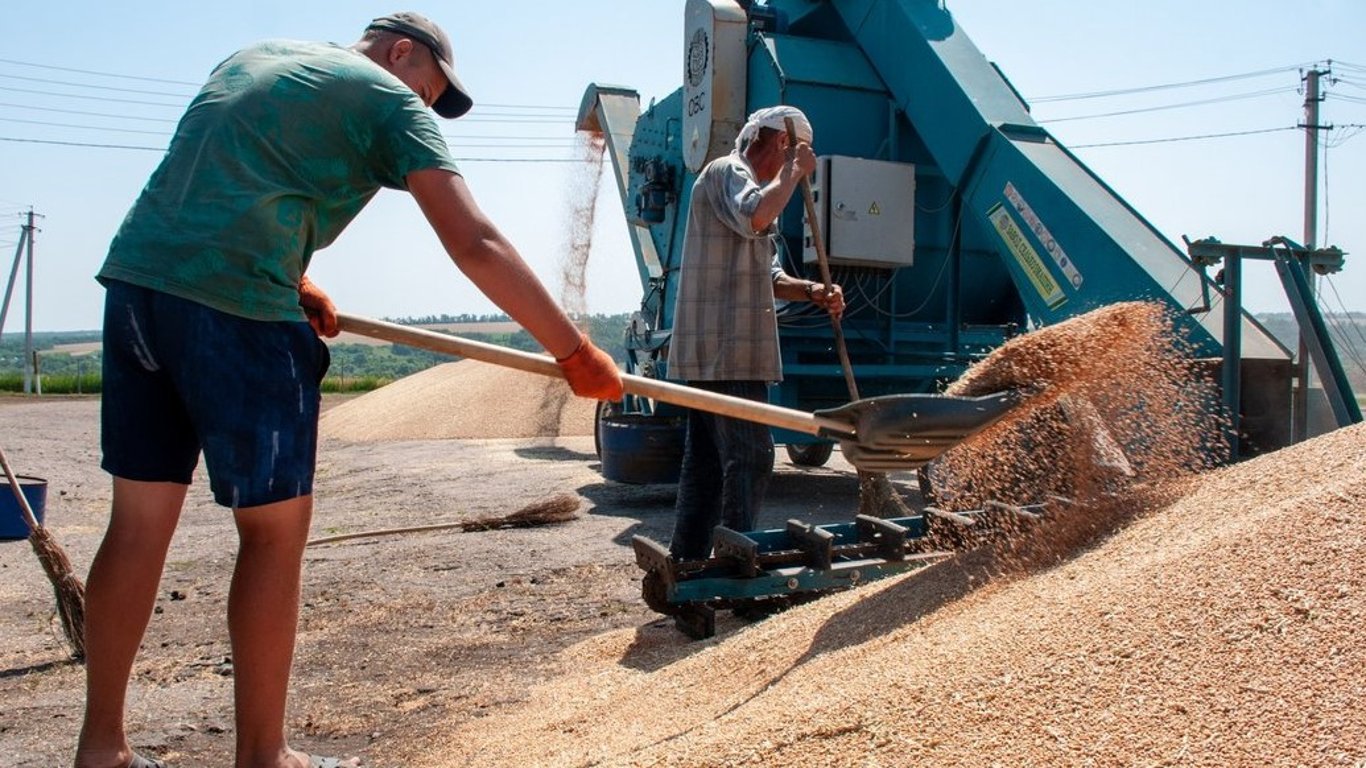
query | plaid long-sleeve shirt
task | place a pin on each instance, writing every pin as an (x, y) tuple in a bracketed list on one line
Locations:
[(725, 325)]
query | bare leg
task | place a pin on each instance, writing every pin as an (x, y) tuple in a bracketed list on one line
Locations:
[(263, 617), (120, 594)]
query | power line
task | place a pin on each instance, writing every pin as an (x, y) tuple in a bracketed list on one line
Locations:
[(93, 98), (525, 106), (79, 144), (94, 72), (90, 114), (193, 84), (82, 127), (1182, 138), (95, 87), (163, 149), (1163, 86), (1202, 102)]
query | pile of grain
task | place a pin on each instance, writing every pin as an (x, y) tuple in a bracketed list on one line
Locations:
[(467, 400), (1224, 630), (1120, 403), (1222, 627)]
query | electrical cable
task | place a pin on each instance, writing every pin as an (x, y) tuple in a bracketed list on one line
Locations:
[(1172, 139), (1162, 107), (1163, 86), (94, 98), (1171, 290), (94, 145), (938, 278), (93, 87), (1332, 284), (99, 74), (90, 114), (83, 127)]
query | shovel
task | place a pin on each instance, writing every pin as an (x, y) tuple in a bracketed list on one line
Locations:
[(879, 434)]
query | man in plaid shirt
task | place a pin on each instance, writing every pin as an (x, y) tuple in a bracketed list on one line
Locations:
[(725, 331)]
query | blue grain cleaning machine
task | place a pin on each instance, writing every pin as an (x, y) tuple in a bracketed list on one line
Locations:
[(952, 219)]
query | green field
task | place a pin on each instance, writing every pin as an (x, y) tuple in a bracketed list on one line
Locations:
[(69, 362)]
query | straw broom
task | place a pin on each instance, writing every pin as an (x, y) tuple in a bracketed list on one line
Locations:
[(557, 509), (69, 590)]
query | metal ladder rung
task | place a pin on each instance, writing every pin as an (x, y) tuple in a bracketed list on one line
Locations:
[(949, 517), (889, 537), (817, 543), (652, 557), (740, 549)]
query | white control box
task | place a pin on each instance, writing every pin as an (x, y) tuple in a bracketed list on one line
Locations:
[(865, 210)]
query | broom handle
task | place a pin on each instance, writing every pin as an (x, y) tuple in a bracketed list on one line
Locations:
[(677, 394), (29, 517), (809, 200)]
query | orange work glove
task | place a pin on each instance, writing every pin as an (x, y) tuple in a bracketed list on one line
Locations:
[(591, 372), (322, 313)]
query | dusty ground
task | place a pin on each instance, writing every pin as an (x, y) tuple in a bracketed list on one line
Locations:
[(399, 635)]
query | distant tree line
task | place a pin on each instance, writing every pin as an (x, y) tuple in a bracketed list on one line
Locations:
[(355, 367), (362, 367)]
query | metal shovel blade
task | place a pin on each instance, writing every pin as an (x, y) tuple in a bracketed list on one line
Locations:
[(897, 432)]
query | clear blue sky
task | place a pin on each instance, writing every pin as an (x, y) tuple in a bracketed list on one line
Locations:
[(528, 64)]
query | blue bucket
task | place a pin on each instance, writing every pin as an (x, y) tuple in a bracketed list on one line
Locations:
[(641, 449), (13, 527)]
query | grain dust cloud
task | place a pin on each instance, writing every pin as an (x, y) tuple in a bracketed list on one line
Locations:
[(581, 210)]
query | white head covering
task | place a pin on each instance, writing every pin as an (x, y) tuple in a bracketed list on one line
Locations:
[(775, 118)]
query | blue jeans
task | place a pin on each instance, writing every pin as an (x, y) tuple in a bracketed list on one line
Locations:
[(726, 466)]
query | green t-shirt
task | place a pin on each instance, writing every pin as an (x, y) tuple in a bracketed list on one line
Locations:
[(284, 145)]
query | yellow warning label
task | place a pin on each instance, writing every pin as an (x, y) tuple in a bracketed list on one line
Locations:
[(1025, 255), (873, 210)]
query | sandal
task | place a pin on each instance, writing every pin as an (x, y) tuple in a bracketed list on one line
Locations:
[(327, 762)]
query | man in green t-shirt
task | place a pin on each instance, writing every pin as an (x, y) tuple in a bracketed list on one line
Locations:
[(211, 337)]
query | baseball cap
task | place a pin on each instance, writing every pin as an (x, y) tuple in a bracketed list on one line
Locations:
[(455, 100)]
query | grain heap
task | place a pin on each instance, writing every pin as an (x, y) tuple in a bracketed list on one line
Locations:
[(1119, 404), (1223, 629), (465, 400)]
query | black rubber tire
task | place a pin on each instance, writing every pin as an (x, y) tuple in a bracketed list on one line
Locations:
[(654, 594), (809, 454)]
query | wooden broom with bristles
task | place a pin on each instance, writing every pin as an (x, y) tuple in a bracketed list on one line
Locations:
[(557, 509), (68, 588)]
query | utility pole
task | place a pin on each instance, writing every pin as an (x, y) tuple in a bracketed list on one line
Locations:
[(13, 274), (1312, 99)]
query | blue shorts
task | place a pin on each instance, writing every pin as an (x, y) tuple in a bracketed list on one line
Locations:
[(180, 377)]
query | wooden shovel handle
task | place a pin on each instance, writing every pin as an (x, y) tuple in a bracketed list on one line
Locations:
[(668, 392)]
